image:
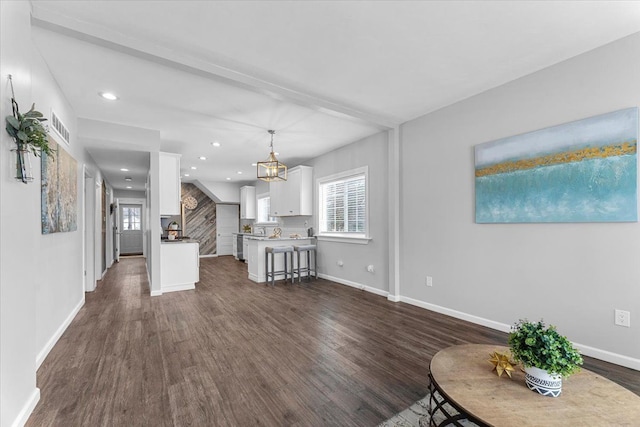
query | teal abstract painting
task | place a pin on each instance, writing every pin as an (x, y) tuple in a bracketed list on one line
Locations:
[(583, 171)]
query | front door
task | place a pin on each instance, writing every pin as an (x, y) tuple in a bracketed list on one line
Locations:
[(130, 229), (227, 222)]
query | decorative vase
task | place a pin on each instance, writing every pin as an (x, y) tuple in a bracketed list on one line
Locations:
[(24, 171), (541, 381)]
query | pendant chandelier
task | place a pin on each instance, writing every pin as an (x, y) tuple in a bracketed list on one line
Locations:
[(271, 169)]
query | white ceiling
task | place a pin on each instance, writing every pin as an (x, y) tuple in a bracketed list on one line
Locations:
[(321, 73)]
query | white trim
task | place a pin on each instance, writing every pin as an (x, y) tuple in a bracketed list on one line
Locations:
[(156, 293), (607, 356), (393, 298), (209, 256), (458, 314), (58, 333), (354, 285), (344, 239), (27, 409), (179, 287)]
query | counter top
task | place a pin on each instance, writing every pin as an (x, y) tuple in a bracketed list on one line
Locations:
[(267, 238), (173, 242)]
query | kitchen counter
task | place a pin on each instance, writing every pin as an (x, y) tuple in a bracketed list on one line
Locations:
[(276, 239), (255, 256), (173, 242)]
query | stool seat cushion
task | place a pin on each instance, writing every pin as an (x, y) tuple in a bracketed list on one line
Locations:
[(279, 249), (302, 248)]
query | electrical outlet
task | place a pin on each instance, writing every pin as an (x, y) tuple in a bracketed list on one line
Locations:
[(623, 318), (370, 268), (429, 281)]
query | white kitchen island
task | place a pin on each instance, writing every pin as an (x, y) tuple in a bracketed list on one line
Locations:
[(179, 265), (255, 257)]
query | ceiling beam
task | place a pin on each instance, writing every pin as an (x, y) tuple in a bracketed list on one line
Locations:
[(105, 37)]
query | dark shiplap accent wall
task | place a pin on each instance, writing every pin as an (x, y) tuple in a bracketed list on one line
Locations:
[(200, 223)]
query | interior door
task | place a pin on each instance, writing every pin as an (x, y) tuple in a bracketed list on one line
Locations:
[(116, 231), (228, 222), (130, 226)]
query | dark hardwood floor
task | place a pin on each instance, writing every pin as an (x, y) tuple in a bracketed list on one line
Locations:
[(235, 353)]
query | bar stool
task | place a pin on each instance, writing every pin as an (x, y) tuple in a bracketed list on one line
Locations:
[(308, 249), (270, 269)]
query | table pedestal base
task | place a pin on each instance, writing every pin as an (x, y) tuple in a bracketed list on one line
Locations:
[(444, 412)]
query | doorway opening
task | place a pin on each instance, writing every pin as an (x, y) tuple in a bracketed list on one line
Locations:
[(130, 229)]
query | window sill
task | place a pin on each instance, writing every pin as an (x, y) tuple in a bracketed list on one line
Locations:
[(343, 239)]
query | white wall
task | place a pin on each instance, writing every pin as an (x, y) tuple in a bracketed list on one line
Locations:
[(572, 275), (220, 192), (372, 152), (41, 276), (19, 233), (59, 284)]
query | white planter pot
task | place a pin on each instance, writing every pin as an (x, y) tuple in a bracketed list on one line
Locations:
[(539, 380)]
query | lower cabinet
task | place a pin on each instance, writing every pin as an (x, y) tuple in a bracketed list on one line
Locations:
[(179, 266)]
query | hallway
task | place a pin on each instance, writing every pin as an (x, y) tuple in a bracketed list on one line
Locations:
[(236, 353)]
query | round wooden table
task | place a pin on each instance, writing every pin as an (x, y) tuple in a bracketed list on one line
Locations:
[(461, 376)]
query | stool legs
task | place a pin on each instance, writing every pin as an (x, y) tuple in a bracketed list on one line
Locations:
[(270, 267)]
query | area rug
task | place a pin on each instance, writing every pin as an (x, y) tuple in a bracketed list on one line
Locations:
[(417, 415)]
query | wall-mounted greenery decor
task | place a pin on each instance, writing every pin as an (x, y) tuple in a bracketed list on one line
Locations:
[(30, 136)]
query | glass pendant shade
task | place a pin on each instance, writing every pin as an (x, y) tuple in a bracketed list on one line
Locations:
[(271, 169)]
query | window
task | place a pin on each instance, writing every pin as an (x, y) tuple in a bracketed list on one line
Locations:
[(264, 209), (131, 218), (343, 204)]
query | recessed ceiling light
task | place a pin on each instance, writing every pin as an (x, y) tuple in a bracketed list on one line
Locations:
[(202, 158), (254, 164), (228, 179), (239, 172), (128, 178), (186, 174), (129, 187), (124, 169), (215, 144), (193, 168), (108, 95), (276, 153)]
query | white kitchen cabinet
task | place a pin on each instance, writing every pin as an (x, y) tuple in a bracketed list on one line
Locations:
[(179, 266), (245, 248), (293, 197), (248, 202), (169, 184)]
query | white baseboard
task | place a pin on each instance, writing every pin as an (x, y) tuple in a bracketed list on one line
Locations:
[(458, 314), (58, 333), (27, 409), (156, 293), (176, 288), (607, 356), (209, 256), (355, 285), (393, 298)]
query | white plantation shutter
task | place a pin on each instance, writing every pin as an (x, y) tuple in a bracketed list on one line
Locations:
[(343, 205)]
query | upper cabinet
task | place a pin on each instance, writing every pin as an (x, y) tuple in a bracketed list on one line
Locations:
[(293, 197), (248, 202), (169, 184)]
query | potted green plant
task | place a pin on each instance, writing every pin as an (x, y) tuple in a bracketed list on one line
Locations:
[(546, 356), (30, 136)]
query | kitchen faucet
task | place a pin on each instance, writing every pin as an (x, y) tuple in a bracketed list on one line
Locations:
[(263, 231)]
